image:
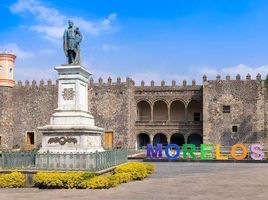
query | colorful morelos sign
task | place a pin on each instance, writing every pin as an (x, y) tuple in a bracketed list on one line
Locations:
[(207, 152)]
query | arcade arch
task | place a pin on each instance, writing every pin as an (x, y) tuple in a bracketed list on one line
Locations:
[(195, 139), (143, 111), (160, 111), (142, 140), (177, 111), (160, 138)]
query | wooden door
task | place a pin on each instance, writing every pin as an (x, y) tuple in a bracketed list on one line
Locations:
[(108, 140), (30, 138)]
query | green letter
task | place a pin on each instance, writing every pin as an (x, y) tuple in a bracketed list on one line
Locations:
[(188, 148), (206, 149)]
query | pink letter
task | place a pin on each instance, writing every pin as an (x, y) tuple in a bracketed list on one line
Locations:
[(257, 149)]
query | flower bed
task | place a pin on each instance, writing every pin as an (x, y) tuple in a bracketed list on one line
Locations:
[(122, 174), (81, 180), (56, 180), (12, 180)]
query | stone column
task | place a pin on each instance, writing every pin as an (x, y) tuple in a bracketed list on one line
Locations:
[(168, 139), (185, 138), (151, 139), (186, 113), (152, 113), (168, 113)]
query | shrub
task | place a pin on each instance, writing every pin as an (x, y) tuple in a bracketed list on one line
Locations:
[(123, 177), (61, 180), (137, 171), (98, 182), (116, 179), (12, 180), (150, 168), (89, 180), (88, 175), (113, 180)]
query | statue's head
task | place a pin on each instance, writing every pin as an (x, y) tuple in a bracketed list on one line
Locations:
[(71, 23)]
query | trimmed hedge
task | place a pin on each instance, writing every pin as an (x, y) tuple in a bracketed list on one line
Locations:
[(69, 180), (99, 182), (137, 171), (120, 178), (121, 174), (150, 168), (12, 180)]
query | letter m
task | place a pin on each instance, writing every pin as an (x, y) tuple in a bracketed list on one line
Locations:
[(153, 151)]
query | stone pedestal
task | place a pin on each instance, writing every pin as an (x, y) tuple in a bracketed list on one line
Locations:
[(72, 128)]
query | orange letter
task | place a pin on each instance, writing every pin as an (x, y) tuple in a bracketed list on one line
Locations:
[(218, 153), (244, 149)]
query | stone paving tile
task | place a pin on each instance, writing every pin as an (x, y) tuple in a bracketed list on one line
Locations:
[(194, 181)]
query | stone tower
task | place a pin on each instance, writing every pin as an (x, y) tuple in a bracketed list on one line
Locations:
[(7, 61)]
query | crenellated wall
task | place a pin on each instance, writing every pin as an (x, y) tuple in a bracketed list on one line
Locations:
[(111, 104), (247, 100), (114, 105), (29, 106)]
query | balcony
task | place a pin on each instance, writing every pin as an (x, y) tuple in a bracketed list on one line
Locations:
[(166, 123)]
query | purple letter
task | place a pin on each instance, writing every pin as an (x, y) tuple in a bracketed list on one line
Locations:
[(256, 149), (150, 150)]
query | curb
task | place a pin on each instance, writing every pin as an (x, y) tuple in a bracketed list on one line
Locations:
[(204, 161), (29, 174)]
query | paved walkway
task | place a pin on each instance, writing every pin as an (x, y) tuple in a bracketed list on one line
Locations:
[(185, 181)]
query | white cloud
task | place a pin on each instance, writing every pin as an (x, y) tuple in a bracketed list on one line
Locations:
[(34, 73), (241, 69), (51, 23), (14, 48), (41, 12), (157, 77), (96, 28), (52, 33), (208, 71), (47, 51), (198, 73), (109, 47)]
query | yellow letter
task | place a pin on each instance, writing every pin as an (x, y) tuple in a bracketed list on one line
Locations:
[(218, 153)]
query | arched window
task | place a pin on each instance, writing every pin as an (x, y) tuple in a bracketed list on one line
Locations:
[(142, 140), (1, 69), (177, 139), (143, 111), (160, 112), (160, 138), (195, 139), (177, 111)]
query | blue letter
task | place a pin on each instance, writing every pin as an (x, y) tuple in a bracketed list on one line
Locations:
[(150, 149), (177, 150)]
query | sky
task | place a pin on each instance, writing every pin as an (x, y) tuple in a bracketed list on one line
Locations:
[(145, 40)]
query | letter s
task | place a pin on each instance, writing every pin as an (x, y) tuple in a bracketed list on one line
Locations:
[(257, 149)]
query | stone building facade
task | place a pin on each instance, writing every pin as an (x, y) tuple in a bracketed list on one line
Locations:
[(237, 109), (219, 111)]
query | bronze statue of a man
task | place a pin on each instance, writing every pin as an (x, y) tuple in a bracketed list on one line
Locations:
[(71, 43)]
